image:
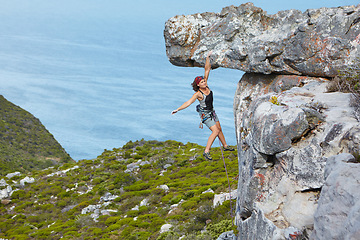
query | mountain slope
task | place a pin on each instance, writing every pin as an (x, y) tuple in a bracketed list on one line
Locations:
[(25, 144), (126, 193)]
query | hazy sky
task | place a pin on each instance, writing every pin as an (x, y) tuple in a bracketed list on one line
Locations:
[(157, 9), (54, 16)]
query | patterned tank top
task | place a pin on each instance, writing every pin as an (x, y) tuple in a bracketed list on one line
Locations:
[(207, 101)]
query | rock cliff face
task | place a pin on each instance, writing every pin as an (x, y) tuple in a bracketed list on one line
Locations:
[(290, 129), (284, 149)]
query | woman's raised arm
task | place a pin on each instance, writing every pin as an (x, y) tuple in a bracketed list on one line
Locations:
[(207, 66)]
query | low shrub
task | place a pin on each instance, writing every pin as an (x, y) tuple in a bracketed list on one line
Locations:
[(19, 194), (207, 196), (217, 228), (138, 186), (123, 179), (189, 194), (95, 231), (170, 235), (114, 227), (175, 199), (188, 205), (199, 236), (111, 220), (132, 213), (177, 218)]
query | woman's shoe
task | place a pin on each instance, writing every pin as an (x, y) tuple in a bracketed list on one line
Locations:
[(207, 155), (228, 148)]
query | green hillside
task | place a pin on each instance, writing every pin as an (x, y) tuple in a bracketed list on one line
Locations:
[(122, 195), (25, 144)]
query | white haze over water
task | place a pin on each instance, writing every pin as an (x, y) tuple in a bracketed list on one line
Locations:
[(96, 74)]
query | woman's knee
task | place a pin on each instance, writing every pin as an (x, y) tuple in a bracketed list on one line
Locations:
[(215, 129), (218, 126)]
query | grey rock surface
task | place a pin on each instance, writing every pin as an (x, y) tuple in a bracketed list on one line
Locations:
[(135, 165), (11, 175), (281, 168), (6, 192), (317, 42), (108, 197), (26, 180), (338, 213), (274, 127), (3, 183), (227, 236)]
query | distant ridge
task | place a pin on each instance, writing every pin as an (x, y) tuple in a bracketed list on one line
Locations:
[(25, 144)]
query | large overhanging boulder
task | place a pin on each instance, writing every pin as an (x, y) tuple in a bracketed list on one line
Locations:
[(317, 42)]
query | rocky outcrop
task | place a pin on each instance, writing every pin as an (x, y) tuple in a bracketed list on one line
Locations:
[(317, 42), (97, 210), (288, 126)]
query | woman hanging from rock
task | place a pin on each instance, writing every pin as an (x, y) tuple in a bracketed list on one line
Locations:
[(205, 109)]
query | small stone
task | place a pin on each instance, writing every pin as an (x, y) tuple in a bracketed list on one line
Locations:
[(6, 192), (3, 183), (164, 187), (219, 199), (227, 236), (144, 202), (166, 166), (208, 191), (10, 175), (165, 228), (5, 201), (27, 180)]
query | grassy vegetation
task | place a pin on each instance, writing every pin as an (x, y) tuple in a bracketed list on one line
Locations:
[(274, 100), (52, 206), (25, 144)]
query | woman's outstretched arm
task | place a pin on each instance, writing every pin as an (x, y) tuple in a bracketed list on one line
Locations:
[(187, 103)]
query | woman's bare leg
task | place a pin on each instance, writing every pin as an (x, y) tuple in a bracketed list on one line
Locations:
[(221, 135), (215, 132)]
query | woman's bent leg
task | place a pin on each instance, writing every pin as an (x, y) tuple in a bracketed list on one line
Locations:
[(222, 139), (221, 135), (215, 132)]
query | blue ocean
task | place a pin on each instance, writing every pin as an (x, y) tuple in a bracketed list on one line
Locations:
[(100, 80)]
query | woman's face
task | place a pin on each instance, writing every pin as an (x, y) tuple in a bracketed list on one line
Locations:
[(202, 83)]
